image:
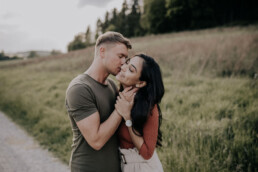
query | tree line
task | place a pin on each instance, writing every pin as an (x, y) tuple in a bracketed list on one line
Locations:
[(24, 55), (161, 16), (3, 56)]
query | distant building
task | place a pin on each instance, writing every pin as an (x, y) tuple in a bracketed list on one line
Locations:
[(24, 55)]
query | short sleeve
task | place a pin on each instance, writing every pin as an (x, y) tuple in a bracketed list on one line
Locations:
[(80, 102)]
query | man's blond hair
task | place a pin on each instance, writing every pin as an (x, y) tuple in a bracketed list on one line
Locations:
[(113, 37)]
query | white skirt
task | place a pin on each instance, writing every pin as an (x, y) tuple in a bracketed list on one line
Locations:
[(132, 161)]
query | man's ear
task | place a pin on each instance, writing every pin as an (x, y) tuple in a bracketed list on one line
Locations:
[(141, 84), (102, 51)]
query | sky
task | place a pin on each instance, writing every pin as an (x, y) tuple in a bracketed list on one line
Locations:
[(44, 25)]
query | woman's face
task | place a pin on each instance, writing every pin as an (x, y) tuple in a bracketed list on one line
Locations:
[(131, 72)]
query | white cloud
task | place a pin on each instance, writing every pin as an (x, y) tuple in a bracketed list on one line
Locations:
[(46, 25), (97, 3), (7, 16), (12, 39)]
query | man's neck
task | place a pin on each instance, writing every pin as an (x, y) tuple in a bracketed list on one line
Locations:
[(97, 72)]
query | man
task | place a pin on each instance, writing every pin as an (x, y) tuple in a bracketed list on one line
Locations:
[(90, 100)]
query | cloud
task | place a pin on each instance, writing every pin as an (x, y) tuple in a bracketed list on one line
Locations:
[(8, 15), (8, 27), (12, 41), (38, 25), (97, 3), (21, 41)]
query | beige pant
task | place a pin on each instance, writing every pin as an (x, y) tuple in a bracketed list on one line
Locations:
[(131, 161)]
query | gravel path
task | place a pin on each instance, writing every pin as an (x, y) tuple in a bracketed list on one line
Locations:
[(20, 153)]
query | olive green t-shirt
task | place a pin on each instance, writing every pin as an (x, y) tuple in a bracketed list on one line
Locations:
[(85, 96)]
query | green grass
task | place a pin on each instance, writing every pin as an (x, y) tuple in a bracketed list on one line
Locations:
[(210, 113), (210, 124)]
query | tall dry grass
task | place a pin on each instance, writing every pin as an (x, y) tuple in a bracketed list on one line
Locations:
[(227, 51)]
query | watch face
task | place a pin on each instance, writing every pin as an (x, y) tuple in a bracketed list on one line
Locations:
[(128, 123)]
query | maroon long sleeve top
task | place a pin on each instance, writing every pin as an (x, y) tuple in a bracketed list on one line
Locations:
[(150, 134)]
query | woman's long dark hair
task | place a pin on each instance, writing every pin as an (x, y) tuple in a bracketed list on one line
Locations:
[(148, 96)]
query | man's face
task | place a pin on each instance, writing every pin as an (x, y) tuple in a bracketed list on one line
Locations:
[(114, 57)]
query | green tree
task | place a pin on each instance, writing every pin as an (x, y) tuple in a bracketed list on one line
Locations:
[(3, 56), (133, 20), (196, 14), (113, 21), (114, 16), (77, 43), (55, 52), (122, 19), (2, 53), (154, 16), (32, 54), (106, 23), (88, 41), (98, 28)]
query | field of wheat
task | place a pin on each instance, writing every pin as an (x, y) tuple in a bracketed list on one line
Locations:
[(210, 114)]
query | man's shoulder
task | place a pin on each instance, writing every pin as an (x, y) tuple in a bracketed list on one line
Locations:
[(79, 82)]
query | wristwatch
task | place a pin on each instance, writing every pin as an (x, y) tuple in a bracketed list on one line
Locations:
[(128, 123)]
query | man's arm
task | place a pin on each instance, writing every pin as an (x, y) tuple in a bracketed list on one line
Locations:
[(96, 133)]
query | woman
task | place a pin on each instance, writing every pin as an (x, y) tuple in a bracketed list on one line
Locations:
[(140, 133)]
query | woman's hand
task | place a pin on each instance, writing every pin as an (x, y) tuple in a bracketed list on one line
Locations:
[(128, 93), (123, 106)]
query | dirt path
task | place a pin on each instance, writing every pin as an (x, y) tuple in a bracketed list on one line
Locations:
[(20, 153)]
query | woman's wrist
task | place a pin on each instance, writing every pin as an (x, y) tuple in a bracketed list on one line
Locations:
[(124, 116), (128, 118)]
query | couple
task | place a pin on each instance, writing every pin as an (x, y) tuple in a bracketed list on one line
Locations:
[(116, 130)]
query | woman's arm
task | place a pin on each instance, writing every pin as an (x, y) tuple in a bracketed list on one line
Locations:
[(145, 144), (150, 134), (137, 139)]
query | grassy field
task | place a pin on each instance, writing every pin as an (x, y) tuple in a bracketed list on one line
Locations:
[(210, 114)]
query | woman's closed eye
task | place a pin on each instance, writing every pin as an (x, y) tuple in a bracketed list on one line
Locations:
[(130, 69), (127, 61)]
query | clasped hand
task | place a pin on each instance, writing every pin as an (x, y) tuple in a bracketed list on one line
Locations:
[(124, 102)]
